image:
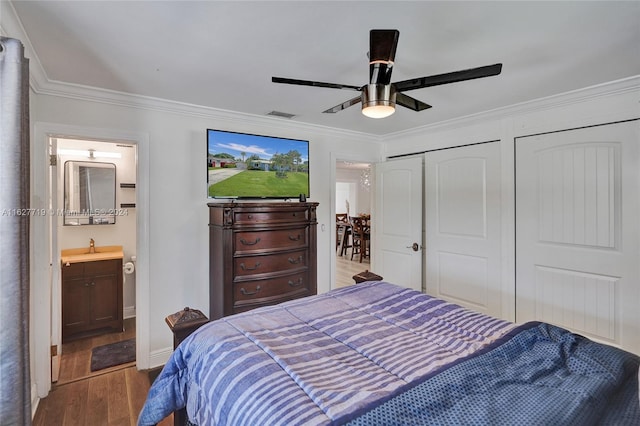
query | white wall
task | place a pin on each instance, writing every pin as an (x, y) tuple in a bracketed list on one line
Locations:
[(178, 231), (604, 103), (359, 198), (39, 349), (177, 221)]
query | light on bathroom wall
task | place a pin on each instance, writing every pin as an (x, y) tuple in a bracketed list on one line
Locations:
[(100, 154), (76, 152), (89, 153)]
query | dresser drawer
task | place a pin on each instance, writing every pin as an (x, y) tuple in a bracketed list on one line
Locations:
[(260, 253), (256, 265), (257, 217), (265, 291), (276, 239)]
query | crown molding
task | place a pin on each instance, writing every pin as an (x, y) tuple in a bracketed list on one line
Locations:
[(11, 26), (111, 97), (41, 84), (617, 87)]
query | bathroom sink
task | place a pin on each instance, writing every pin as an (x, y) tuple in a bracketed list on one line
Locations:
[(83, 254)]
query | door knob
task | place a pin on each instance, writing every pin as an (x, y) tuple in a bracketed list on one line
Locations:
[(414, 246)]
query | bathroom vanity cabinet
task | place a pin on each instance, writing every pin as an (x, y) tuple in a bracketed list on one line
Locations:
[(91, 298), (260, 254)]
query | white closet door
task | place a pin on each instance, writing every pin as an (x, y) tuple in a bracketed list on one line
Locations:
[(397, 222), (577, 240), (462, 204)]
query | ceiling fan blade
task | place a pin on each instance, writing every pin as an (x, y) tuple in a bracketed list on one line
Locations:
[(343, 105), (382, 45), (450, 77), (314, 83), (382, 53), (411, 103)]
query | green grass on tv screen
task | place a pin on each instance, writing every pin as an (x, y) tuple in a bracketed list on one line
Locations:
[(258, 183)]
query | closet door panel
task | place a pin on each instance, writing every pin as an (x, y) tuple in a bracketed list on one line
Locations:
[(462, 204), (577, 233)]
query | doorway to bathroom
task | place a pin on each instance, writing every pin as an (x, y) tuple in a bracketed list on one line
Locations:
[(92, 201)]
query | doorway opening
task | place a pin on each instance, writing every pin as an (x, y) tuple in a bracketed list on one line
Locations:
[(353, 200), (103, 217)]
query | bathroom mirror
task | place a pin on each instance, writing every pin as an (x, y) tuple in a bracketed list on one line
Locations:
[(89, 193)]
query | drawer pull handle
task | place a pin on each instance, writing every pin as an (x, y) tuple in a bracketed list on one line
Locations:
[(246, 268), (249, 216), (299, 283), (296, 238), (247, 243), (295, 261), (249, 293)]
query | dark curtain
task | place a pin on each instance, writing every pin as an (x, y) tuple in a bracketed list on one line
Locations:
[(15, 389)]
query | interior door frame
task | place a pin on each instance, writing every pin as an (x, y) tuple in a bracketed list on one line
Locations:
[(335, 157), (42, 249)]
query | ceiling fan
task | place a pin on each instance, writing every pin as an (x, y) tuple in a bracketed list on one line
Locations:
[(379, 97)]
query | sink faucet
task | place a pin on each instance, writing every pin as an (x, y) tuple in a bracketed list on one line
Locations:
[(92, 246)]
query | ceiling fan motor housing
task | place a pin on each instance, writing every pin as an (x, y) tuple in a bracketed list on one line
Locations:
[(378, 94)]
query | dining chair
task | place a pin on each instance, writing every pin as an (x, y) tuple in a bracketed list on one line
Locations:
[(343, 231), (360, 237)]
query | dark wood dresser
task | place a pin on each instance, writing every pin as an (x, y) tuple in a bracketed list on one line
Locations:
[(260, 254)]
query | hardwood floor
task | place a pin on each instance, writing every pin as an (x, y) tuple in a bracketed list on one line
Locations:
[(111, 396), (75, 362), (346, 269), (115, 396)]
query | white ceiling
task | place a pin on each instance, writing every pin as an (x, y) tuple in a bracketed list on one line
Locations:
[(222, 54)]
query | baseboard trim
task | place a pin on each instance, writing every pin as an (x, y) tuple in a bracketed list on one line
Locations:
[(129, 312), (160, 357), (34, 400)]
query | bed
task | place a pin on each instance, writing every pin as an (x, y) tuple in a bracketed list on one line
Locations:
[(378, 354)]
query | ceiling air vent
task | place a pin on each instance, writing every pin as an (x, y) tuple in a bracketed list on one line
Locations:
[(281, 114)]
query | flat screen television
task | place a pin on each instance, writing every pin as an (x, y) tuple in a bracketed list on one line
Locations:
[(242, 165)]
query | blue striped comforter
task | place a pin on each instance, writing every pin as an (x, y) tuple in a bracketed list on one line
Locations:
[(318, 360)]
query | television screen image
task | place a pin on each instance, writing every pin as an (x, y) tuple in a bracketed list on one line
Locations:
[(242, 165)]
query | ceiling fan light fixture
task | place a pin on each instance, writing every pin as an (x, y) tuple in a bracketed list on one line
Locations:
[(380, 95), (378, 100)]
